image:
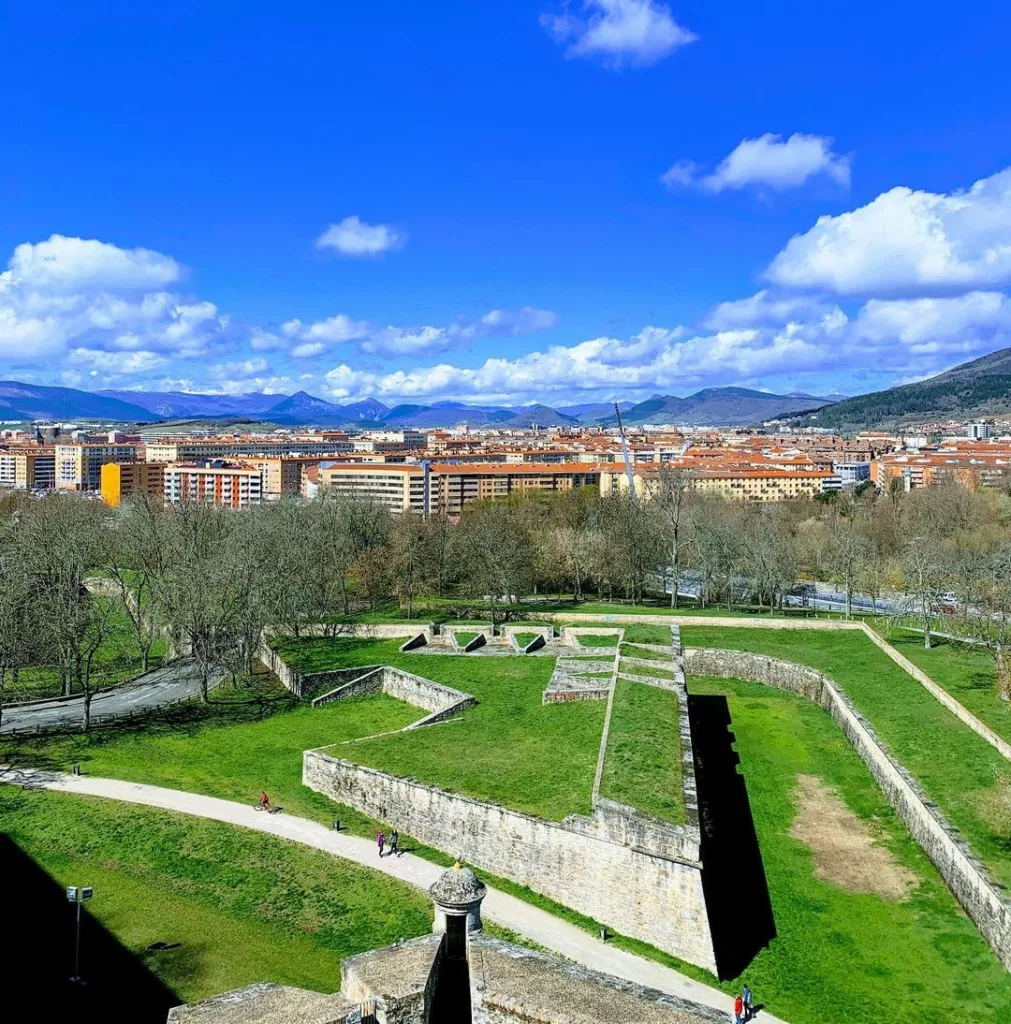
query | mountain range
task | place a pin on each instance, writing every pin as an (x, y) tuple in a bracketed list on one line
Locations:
[(713, 406), (974, 390)]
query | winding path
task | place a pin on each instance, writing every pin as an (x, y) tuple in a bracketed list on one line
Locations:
[(176, 681), (522, 918)]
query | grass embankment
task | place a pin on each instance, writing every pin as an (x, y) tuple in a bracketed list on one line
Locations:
[(966, 672), (585, 640), (956, 768), (464, 638), (243, 907), (525, 639), (510, 748), (642, 765), (638, 651)]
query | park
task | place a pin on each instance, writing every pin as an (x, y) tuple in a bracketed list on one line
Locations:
[(686, 798)]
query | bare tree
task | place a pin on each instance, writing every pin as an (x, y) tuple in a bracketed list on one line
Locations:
[(924, 575), (411, 562), (670, 491), (990, 628)]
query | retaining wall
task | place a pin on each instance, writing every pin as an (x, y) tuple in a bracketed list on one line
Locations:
[(656, 897), (981, 897)]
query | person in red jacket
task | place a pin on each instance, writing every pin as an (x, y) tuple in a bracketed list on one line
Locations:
[(738, 1010)]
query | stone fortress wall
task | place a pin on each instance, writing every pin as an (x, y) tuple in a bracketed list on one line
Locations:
[(981, 898), (638, 874)]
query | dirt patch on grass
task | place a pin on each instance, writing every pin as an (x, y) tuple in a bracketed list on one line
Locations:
[(845, 853)]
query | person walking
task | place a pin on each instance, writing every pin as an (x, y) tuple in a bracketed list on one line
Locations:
[(394, 839), (738, 1010), (748, 1014), (380, 842)]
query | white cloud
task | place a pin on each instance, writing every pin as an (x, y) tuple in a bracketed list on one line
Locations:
[(767, 162), (354, 237), (636, 32), (313, 339), (79, 293), (61, 264), (766, 309), (907, 242), (118, 363), (896, 337), (240, 368)]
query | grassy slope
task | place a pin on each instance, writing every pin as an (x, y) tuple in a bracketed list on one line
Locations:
[(953, 764), (870, 960), (229, 751), (511, 748), (642, 766), (966, 673), (245, 907)]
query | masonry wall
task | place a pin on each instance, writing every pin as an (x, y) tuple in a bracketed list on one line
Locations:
[(968, 879), (648, 896)]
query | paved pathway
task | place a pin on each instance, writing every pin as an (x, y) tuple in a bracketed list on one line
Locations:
[(176, 681), (522, 918)]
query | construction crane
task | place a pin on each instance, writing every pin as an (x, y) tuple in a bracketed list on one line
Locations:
[(629, 475)]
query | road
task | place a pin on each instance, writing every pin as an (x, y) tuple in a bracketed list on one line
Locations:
[(518, 916), (174, 682)]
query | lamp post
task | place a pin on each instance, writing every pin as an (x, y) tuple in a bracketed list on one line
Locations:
[(78, 894)]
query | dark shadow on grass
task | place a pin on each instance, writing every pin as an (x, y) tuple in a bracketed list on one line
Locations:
[(733, 876), (38, 955)]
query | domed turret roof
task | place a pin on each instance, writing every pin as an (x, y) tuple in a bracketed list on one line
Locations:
[(458, 887)]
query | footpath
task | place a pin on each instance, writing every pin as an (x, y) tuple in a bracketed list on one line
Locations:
[(534, 924)]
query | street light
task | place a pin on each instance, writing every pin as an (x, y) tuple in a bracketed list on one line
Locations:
[(78, 895)]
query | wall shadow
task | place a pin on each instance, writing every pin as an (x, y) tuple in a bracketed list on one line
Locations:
[(38, 954), (733, 876)]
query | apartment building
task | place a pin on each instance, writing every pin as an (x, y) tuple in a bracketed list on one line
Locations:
[(448, 487), (122, 480), (28, 469), (740, 483), (215, 481), (198, 448), (78, 467), (282, 477)]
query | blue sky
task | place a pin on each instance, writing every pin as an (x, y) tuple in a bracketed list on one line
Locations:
[(509, 202)]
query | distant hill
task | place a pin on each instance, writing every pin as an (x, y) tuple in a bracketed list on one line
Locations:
[(716, 407), (446, 414), (180, 405), (539, 416), (980, 388), (590, 412), (20, 401), (301, 407)]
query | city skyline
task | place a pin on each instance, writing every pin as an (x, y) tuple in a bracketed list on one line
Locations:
[(544, 203)]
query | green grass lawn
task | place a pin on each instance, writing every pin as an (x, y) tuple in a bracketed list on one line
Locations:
[(847, 957), (510, 748), (966, 672), (244, 907), (596, 641), (232, 750), (956, 768), (637, 651), (465, 638), (524, 639), (642, 765), (656, 670)]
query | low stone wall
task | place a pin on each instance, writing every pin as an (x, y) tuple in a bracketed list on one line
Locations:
[(565, 696), (646, 895), (981, 898)]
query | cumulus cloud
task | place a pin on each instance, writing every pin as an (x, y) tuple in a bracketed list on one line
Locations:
[(766, 309), (354, 237), (896, 337), (907, 242), (79, 293), (314, 339), (620, 32), (766, 162)]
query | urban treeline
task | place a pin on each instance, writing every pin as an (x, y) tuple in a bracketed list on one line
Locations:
[(206, 581)]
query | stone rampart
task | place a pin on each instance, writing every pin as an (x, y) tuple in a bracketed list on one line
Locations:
[(651, 896), (970, 882)]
